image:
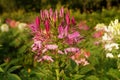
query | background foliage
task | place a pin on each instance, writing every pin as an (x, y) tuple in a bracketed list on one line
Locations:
[(36, 5)]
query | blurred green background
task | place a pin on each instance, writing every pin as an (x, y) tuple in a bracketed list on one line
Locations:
[(36, 5)]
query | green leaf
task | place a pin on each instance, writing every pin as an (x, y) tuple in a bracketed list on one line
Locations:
[(13, 77), (114, 73), (72, 64), (86, 69), (92, 78), (13, 68), (1, 70), (77, 76)]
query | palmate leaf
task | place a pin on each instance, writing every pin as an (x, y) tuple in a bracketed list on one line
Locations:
[(13, 77)]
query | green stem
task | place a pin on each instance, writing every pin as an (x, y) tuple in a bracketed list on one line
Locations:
[(57, 74)]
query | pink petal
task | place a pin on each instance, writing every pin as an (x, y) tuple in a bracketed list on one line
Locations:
[(61, 32), (73, 21), (67, 18), (71, 49), (51, 47), (73, 35), (61, 13), (48, 58), (60, 52), (66, 30), (37, 21)]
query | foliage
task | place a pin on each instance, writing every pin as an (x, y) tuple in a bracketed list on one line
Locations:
[(36, 5)]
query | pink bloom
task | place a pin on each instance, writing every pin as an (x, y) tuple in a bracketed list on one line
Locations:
[(98, 34), (34, 27), (73, 21), (83, 26), (12, 23), (61, 13), (82, 61), (75, 56), (37, 21), (86, 54), (37, 45), (67, 18), (71, 49), (47, 58), (51, 46)]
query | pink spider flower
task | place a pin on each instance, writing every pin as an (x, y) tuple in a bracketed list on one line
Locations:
[(83, 26), (98, 34)]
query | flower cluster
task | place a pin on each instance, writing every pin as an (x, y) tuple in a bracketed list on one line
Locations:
[(12, 24), (55, 29), (109, 35)]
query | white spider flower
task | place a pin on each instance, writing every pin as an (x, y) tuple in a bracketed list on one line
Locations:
[(107, 37), (21, 26), (100, 27), (111, 46), (4, 28), (109, 55), (118, 55)]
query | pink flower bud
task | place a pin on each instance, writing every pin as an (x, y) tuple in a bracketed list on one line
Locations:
[(47, 26), (73, 21), (37, 21), (67, 18), (61, 13)]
